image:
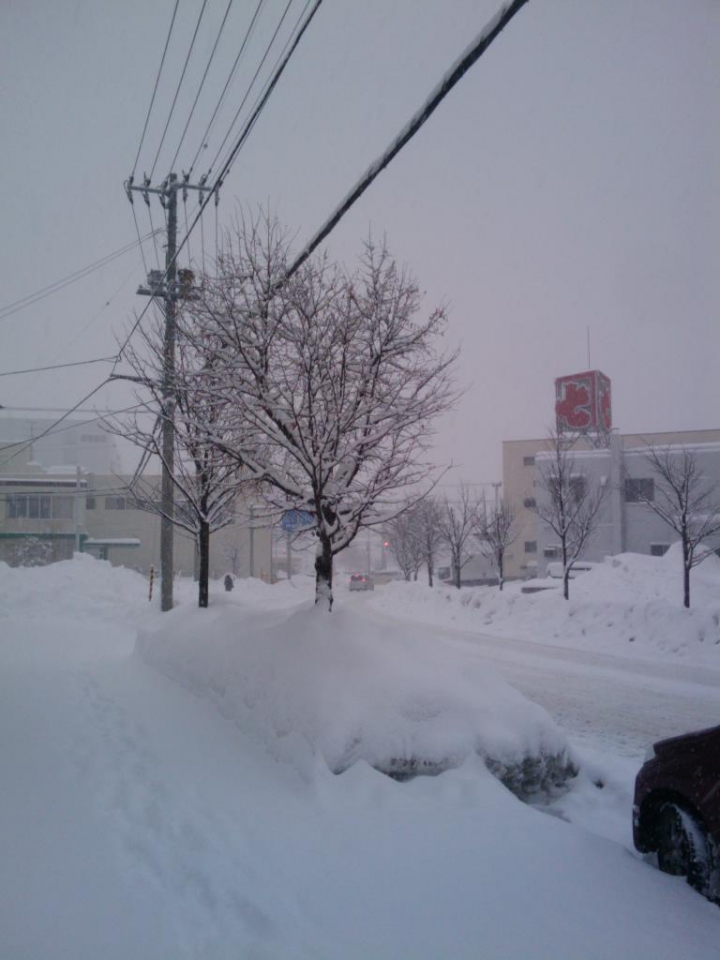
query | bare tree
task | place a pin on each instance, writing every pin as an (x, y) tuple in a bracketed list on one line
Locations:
[(405, 545), (205, 479), (686, 501), (496, 531), (430, 533), (415, 537), (334, 381), (458, 523), (571, 505)]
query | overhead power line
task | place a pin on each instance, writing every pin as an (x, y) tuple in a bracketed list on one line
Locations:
[(55, 427), (56, 366), (221, 100), (456, 72), (252, 83), (157, 81), (202, 82), (219, 179), (180, 83), (272, 73), (264, 99), (29, 442), (51, 288)]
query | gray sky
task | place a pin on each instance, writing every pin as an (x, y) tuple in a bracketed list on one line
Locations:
[(570, 181)]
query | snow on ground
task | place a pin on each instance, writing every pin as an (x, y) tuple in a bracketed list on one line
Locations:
[(631, 606), (306, 682), (138, 821)]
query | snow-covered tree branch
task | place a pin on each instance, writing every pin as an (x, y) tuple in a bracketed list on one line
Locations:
[(333, 380), (205, 479)]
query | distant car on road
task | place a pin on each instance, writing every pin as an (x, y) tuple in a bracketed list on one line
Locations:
[(677, 808), (361, 581)]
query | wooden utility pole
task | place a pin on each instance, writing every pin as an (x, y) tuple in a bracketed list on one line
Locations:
[(165, 286), (167, 494)]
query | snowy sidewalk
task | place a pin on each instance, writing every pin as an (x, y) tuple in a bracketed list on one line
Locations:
[(135, 821)]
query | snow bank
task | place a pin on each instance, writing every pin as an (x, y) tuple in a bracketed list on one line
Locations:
[(82, 586), (136, 823), (630, 605), (309, 683)]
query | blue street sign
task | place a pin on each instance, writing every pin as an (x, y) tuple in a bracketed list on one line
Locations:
[(294, 520)]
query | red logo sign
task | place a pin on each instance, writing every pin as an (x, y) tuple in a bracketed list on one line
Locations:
[(582, 402)]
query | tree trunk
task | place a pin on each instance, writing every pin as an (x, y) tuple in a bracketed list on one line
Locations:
[(458, 573), (204, 563), (430, 575), (323, 572), (686, 585), (500, 572)]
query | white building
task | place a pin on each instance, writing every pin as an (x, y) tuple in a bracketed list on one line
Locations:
[(626, 522), (69, 444)]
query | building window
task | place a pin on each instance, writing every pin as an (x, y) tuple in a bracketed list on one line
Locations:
[(90, 503), (551, 553), (17, 506), (531, 546), (39, 506), (63, 508), (115, 503), (578, 487), (528, 461), (658, 549), (529, 503), (639, 489)]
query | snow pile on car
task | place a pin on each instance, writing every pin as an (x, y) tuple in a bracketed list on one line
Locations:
[(311, 684), (629, 605)]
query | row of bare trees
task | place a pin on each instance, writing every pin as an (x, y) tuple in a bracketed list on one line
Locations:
[(571, 504), (318, 389), (461, 527)]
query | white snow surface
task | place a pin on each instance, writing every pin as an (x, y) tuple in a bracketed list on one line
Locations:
[(630, 605), (308, 682), (145, 818)]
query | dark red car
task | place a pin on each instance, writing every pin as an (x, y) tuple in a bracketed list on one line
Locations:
[(677, 808)]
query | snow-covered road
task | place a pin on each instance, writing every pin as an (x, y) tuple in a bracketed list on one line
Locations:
[(612, 703)]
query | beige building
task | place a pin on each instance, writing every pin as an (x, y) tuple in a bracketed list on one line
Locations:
[(626, 525), (49, 512)]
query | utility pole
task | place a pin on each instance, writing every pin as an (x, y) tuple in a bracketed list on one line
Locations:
[(165, 286), (252, 540), (76, 508)]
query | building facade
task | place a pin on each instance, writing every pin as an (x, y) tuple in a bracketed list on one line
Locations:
[(626, 523), (50, 510)]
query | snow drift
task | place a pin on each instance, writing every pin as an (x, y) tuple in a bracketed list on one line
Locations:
[(630, 605)]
